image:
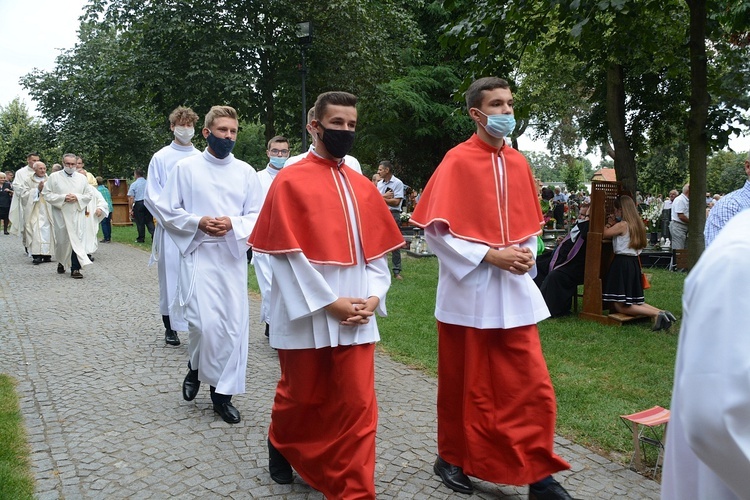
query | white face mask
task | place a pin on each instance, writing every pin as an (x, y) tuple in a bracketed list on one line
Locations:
[(70, 170), (184, 134)]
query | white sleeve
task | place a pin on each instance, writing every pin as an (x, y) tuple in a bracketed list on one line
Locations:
[(713, 361), (181, 225), (459, 257), (304, 289), (378, 282)]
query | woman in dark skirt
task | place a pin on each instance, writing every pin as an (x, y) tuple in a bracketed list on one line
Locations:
[(622, 285)]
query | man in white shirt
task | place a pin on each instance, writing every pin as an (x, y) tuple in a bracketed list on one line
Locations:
[(392, 190), (164, 252), (678, 228), (209, 207)]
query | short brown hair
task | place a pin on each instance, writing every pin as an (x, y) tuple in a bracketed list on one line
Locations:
[(337, 98), (219, 112), (181, 114), (277, 138), (474, 94)]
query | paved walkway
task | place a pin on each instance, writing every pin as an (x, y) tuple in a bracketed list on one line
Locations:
[(100, 394)]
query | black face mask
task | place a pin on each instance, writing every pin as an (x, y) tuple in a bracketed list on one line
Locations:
[(220, 147), (337, 142)]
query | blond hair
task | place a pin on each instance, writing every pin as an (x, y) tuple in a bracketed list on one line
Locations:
[(219, 112)]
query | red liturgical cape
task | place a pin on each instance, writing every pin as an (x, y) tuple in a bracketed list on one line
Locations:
[(480, 201), (306, 211)]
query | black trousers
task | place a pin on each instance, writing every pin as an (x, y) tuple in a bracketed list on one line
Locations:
[(143, 220)]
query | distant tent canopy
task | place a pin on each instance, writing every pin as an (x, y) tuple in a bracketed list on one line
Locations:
[(604, 174)]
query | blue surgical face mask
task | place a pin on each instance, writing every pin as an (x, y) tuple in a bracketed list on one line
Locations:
[(277, 161), (499, 126), (220, 147)]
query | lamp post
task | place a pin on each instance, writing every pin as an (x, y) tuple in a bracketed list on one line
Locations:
[(304, 38)]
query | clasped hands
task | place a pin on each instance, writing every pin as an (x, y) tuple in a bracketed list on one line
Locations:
[(71, 198), (516, 260), (215, 226), (352, 311)]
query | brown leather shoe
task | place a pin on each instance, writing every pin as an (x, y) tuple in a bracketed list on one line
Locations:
[(76, 275)]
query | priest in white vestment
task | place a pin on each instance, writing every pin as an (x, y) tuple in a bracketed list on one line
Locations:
[(68, 194), (277, 152), (209, 207), (708, 438), (38, 215), (163, 250), (16, 215)]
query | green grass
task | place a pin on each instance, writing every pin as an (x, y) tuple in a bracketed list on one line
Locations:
[(16, 480), (128, 235), (599, 372)]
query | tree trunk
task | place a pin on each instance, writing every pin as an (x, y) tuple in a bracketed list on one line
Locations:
[(624, 158), (696, 127)]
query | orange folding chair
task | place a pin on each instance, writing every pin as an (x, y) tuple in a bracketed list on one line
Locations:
[(645, 426)]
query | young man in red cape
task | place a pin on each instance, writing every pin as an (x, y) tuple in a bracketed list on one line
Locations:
[(496, 404), (328, 233)]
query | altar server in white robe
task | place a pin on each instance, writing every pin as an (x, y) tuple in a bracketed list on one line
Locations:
[(67, 192), (38, 226), (17, 215), (277, 152), (209, 207), (327, 232), (163, 250), (708, 440)]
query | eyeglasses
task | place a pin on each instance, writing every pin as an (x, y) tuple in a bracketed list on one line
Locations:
[(279, 152)]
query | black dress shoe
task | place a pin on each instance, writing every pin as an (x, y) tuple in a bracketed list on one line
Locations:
[(47, 258), (36, 261), (453, 477), (190, 385), (553, 491), (281, 471), (171, 338), (60, 269), (228, 412)]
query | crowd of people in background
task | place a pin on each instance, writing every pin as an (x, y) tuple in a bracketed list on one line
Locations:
[(56, 215)]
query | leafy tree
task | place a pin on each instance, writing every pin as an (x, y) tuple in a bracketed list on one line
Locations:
[(725, 172), (412, 121), (625, 87), (21, 134), (543, 166), (94, 108), (664, 168)]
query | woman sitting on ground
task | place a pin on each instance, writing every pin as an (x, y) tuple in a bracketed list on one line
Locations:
[(622, 285)]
